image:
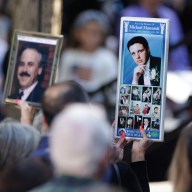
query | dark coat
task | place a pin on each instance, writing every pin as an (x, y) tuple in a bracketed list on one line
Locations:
[(34, 96)]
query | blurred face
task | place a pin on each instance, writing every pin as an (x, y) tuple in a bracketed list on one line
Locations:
[(90, 36), (139, 53), (28, 68)]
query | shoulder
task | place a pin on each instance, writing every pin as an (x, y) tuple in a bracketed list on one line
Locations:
[(36, 94), (126, 176), (68, 51), (123, 168), (39, 89), (106, 56), (105, 51), (68, 54), (155, 59)]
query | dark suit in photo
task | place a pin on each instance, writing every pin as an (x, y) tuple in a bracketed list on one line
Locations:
[(155, 63), (34, 96)]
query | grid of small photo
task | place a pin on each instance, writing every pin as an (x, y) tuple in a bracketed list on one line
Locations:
[(138, 106)]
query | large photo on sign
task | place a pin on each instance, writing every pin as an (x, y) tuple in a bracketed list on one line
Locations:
[(143, 56), (32, 66)]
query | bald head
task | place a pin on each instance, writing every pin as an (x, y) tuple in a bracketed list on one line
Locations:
[(59, 95), (81, 136)]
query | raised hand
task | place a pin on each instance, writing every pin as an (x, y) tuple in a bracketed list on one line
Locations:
[(138, 71)]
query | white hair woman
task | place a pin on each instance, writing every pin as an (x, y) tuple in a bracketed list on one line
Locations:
[(17, 141)]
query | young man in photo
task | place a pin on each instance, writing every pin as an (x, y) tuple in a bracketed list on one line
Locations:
[(146, 124), (147, 71)]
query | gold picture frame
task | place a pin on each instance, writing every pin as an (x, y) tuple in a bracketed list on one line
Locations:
[(25, 76)]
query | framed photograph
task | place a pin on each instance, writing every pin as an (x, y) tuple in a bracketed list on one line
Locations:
[(143, 58), (33, 63)]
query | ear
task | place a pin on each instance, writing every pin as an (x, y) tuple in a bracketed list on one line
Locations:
[(40, 69)]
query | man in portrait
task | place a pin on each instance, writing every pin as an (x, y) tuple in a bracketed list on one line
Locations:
[(137, 109), (146, 123), (146, 97), (157, 96), (29, 71), (130, 122), (155, 112), (147, 71), (135, 93)]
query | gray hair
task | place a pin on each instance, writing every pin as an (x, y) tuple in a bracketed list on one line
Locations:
[(81, 137), (17, 141)]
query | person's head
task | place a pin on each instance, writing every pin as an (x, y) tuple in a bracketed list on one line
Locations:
[(17, 141), (89, 29), (30, 65), (59, 95), (146, 121), (180, 171), (156, 109), (139, 49), (81, 138)]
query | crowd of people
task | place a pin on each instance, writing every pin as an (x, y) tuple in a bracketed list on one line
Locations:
[(75, 150), (69, 144)]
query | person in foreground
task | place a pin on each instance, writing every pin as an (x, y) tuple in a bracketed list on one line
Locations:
[(180, 172), (57, 97), (54, 100), (79, 149)]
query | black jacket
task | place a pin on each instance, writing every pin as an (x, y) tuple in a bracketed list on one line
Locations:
[(34, 96), (133, 177), (155, 62)]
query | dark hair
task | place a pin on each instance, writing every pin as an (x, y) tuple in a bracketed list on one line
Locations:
[(66, 92), (43, 51), (138, 39)]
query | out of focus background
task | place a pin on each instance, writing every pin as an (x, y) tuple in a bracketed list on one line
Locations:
[(90, 54)]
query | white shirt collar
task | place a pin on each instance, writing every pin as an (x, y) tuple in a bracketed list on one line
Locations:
[(27, 91)]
